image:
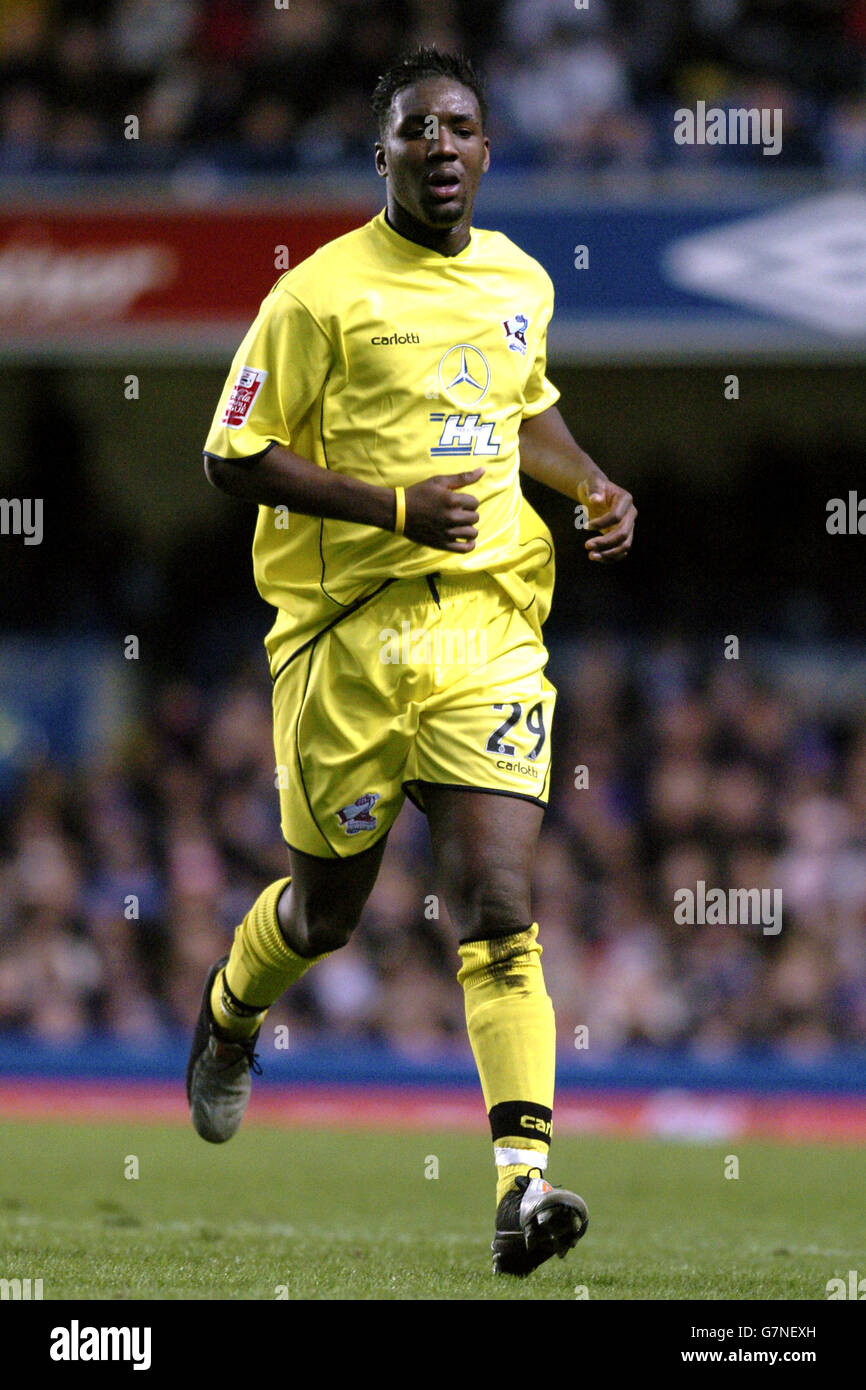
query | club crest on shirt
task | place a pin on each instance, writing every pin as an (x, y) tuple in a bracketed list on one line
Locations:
[(358, 816), (247, 386), (515, 333)]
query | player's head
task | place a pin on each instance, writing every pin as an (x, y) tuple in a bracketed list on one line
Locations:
[(432, 149)]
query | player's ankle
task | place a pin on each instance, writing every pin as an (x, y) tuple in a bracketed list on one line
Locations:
[(233, 1018)]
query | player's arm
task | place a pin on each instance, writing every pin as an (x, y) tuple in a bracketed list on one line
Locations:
[(437, 514), (550, 455)]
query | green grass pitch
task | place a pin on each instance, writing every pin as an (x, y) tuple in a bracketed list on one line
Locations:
[(326, 1214)]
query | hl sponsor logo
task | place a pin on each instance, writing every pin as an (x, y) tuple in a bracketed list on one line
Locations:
[(20, 1289), (76, 1343), (442, 647), (713, 907), (462, 435)]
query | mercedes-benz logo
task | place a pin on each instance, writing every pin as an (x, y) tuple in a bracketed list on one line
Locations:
[(464, 374)]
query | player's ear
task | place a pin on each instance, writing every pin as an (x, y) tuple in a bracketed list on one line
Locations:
[(486, 162), (381, 162)]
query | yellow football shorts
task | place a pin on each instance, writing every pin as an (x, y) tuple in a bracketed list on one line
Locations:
[(433, 680)]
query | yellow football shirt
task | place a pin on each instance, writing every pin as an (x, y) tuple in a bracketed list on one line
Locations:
[(384, 360)]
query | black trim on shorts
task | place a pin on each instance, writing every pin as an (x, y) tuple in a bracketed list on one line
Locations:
[(462, 787), (347, 612), (326, 858), (341, 858)]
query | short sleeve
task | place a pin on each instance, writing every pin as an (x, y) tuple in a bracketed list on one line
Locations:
[(277, 373), (539, 393)]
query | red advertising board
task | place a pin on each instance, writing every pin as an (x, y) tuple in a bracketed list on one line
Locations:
[(94, 274)]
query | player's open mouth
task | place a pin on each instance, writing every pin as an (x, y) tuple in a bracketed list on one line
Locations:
[(444, 185)]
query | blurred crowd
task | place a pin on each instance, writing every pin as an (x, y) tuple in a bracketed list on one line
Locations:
[(121, 882), (243, 86)]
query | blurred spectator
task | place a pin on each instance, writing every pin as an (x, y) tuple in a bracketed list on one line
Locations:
[(120, 884), (145, 34), (269, 88)]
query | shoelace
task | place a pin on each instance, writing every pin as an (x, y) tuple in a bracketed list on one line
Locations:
[(248, 1049), (523, 1182)]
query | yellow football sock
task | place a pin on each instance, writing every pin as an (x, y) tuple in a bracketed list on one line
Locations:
[(260, 968), (509, 1017)]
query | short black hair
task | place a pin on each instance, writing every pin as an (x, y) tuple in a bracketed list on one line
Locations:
[(414, 67)]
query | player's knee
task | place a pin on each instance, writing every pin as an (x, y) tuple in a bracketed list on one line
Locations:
[(494, 908), (325, 928), (327, 937)]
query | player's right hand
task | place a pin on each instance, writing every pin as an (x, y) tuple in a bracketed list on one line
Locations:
[(440, 515)]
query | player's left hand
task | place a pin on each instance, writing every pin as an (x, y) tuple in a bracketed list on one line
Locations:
[(613, 512)]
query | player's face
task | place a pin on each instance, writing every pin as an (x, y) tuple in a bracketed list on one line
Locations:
[(434, 151)]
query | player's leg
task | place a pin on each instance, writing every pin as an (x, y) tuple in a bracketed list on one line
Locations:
[(483, 850), (322, 905), (483, 764), (296, 922), (340, 751), (483, 847), (293, 924), (482, 773)]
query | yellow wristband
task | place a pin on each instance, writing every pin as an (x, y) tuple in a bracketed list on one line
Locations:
[(400, 513)]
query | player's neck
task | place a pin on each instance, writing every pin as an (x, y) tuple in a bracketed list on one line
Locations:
[(449, 241)]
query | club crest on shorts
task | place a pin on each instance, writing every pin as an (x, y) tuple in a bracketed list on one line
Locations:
[(247, 386), (359, 815), (515, 333)]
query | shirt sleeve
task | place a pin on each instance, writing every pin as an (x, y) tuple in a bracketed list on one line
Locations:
[(277, 373), (539, 393)]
